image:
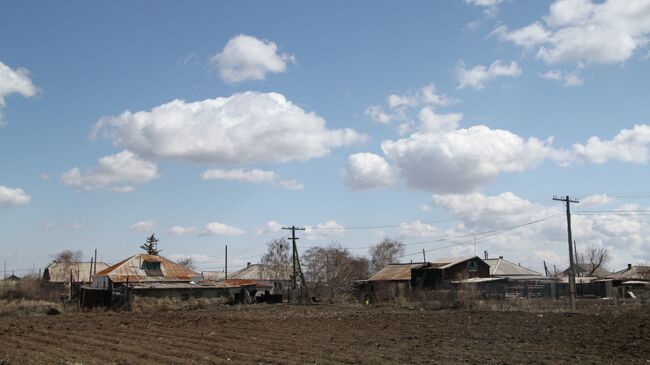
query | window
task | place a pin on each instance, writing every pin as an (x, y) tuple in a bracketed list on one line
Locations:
[(152, 268), (472, 266)]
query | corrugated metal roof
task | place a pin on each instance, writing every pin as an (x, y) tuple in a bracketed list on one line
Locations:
[(502, 267), (449, 262), (586, 268), (133, 271), (213, 275), (261, 272), (395, 272), (59, 272), (477, 280), (633, 273)]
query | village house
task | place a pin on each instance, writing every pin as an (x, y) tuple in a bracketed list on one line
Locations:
[(510, 280), (441, 273), (277, 281), (66, 278), (153, 276), (392, 281)]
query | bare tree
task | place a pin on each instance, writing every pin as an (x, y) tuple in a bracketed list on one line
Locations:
[(277, 259), (385, 252), (151, 245), (330, 270), (68, 256), (186, 262), (595, 257)]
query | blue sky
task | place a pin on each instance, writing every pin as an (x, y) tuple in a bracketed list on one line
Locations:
[(218, 123)]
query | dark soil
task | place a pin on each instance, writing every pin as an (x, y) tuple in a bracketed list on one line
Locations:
[(326, 334)]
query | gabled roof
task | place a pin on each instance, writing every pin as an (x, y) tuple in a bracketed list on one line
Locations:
[(632, 273), (260, 272), (600, 272), (213, 275), (395, 272), (504, 268), (449, 262), (132, 270), (59, 272)]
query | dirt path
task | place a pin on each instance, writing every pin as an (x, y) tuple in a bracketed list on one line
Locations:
[(325, 334)]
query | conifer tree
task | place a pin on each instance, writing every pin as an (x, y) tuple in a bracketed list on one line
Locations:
[(151, 245)]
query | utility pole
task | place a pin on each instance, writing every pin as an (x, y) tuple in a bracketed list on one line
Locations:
[(95, 268), (572, 270), (424, 256), (295, 260), (226, 268)]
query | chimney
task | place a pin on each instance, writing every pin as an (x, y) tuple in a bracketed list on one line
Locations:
[(485, 254), (629, 266), (248, 264)]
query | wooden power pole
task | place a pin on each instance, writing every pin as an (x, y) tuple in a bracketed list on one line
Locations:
[(295, 258), (572, 269)]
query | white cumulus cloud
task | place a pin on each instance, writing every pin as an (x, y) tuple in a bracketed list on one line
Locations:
[(144, 226), (179, 230), (248, 58), (585, 31), (478, 76), (324, 231), (14, 82), (463, 160), (270, 228), (368, 171), (629, 145), (118, 172), (254, 176), (13, 196), (220, 229), (243, 128)]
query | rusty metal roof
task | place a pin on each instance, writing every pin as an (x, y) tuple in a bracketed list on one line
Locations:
[(59, 272), (261, 272), (395, 272), (133, 270)]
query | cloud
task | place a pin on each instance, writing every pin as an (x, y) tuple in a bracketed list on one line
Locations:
[(246, 127), (248, 58), (377, 114), (568, 79), (433, 121), (418, 229), (478, 76), (629, 145), (463, 160), (13, 196), (625, 235), (324, 231), (368, 171), (144, 226), (271, 227), (597, 199), (14, 82), (586, 32), (220, 229), (74, 226), (179, 230), (118, 172), (254, 176), (491, 6), (398, 105)]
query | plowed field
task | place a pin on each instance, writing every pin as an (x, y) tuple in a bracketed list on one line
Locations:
[(325, 334)]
